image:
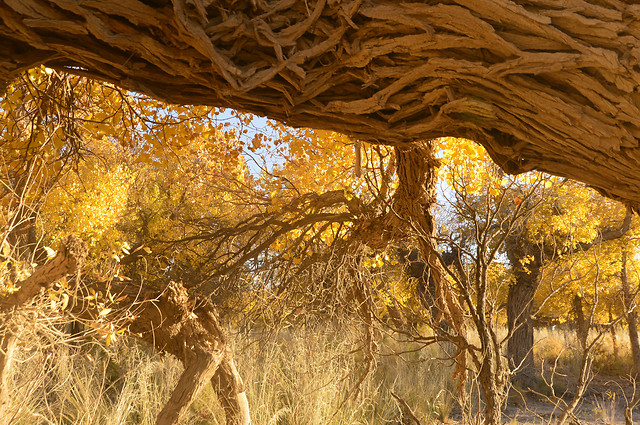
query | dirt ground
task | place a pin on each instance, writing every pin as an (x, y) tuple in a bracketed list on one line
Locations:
[(603, 404)]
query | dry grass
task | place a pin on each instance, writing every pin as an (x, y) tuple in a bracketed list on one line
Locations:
[(299, 377), (295, 378), (612, 355)]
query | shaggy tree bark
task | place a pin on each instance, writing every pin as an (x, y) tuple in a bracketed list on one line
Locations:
[(520, 306), (541, 84), (67, 261), (175, 322)]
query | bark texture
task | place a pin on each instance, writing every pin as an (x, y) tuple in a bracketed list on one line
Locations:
[(542, 84), (229, 387), (68, 260), (175, 322), (520, 306)]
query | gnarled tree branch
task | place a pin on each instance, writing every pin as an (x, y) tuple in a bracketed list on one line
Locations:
[(542, 85)]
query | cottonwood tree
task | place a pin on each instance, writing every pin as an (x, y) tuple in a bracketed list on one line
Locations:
[(460, 68), (122, 143), (568, 218), (60, 176)]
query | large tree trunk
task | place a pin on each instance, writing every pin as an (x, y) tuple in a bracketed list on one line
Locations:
[(542, 85), (186, 326), (520, 345), (527, 258), (491, 381)]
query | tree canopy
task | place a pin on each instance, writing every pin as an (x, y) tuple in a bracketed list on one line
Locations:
[(540, 84)]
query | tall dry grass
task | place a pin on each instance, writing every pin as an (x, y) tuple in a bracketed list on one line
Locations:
[(296, 377), (612, 355)]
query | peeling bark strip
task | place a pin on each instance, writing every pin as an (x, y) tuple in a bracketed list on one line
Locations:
[(411, 215), (541, 84)]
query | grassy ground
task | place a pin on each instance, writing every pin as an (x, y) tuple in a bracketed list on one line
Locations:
[(301, 377), (295, 378)]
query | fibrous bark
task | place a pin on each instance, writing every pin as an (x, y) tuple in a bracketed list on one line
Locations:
[(542, 84), (175, 322), (520, 305), (67, 261)]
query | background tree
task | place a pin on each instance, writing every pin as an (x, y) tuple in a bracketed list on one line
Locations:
[(567, 218)]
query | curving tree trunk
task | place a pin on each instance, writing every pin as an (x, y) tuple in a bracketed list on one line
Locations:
[(542, 84), (170, 320)]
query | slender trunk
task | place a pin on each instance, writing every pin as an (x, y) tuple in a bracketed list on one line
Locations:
[(492, 388), (631, 315), (586, 359), (614, 334), (632, 321), (7, 346), (567, 414), (190, 330)]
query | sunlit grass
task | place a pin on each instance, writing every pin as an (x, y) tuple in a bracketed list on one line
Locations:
[(297, 377)]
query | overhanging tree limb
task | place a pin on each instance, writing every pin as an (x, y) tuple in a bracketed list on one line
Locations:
[(541, 85)]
